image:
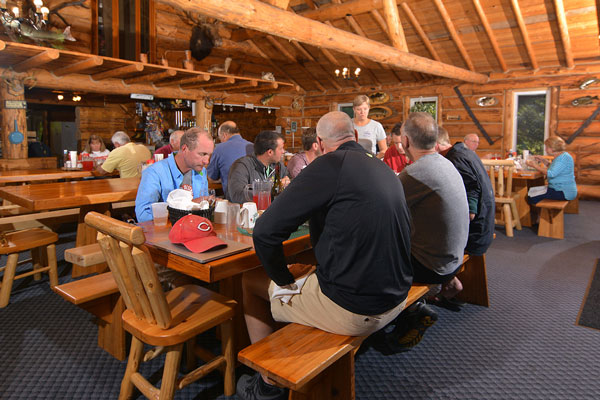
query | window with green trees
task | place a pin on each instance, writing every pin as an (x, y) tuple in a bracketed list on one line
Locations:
[(531, 123)]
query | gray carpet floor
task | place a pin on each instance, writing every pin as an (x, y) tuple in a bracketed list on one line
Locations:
[(525, 346)]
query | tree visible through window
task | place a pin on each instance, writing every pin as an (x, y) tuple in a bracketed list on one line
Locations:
[(531, 119), (424, 104)]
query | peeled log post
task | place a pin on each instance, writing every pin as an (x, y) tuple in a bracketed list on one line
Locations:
[(254, 14), (9, 150), (203, 114)]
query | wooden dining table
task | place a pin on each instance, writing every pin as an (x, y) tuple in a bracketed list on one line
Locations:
[(91, 195), (227, 271), (522, 181), (37, 175)]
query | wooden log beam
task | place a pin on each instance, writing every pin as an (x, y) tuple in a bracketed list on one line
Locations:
[(454, 33), (564, 32), (490, 33), (424, 38), (273, 65), (220, 83), (524, 33), (259, 88), (127, 69), (196, 79), (37, 60), (395, 31), (379, 19), (93, 61), (332, 12), (2, 45), (157, 76), (79, 82), (283, 4), (253, 14)]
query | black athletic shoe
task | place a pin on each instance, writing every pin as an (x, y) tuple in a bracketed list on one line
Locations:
[(252, 387), (410, 328), (448, 304)]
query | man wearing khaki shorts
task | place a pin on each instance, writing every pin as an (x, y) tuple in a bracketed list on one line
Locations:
[(360, 233)]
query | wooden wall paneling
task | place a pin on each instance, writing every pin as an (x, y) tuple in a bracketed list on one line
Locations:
[(115, 28), (138, 29), (524, 34), (554, 101), (94, 26), (152, 30), (509, 120)]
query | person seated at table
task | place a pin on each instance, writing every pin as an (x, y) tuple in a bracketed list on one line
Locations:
[(96, 148), (186, 170), (368, 129), (437, 200), (471, 141), (311, 151), (232, 147), (359, 229), (126, 157), (262, 165), (395, 157), (482, 207), (173, 145), (560, 173)]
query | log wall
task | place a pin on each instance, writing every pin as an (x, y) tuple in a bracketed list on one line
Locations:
[(565, 118)]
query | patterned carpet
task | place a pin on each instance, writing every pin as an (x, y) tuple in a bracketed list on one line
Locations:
[(525, 346)]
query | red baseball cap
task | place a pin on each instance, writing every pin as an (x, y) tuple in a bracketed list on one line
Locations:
[(195, 233)]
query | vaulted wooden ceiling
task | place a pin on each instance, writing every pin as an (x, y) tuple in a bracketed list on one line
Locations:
[(464, 39)]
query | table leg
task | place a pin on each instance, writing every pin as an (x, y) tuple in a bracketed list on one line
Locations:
[(87, 235), (232, 288)]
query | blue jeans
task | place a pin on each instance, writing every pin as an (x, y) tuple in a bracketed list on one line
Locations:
[(550, 194)]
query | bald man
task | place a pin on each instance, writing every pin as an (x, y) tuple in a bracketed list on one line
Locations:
[(472, 141), (359, 228), (173, 145), (232, 147)]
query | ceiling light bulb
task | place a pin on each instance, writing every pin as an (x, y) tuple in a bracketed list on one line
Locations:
[(357, 71), (60, 97), (15, 11), (45, 13), (269, 111), (74, 98), (337, 72), (38, 4)]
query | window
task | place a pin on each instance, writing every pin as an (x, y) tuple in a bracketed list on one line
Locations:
[(424, 104), (530, 116), (348, 108), (123, 28)]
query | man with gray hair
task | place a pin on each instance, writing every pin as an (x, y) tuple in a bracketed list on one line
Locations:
[(437, 200), (186, 170), (173, 146), (472, 141), (232, 147), (359, 229), (126, 157)]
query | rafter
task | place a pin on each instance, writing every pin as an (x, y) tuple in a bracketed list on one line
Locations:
[(273, 65), (93, 61), (283, 4), (564, 32), (490, 33), (256, 15), (197, 79), (157, 76), (424, 38), (459, 44), (37, 60), (524, 33), (311, 58), (395, 31), (383, 25), (126, 69)]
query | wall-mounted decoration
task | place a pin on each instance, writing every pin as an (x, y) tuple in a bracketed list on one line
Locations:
[(15, 104), (380, 112), (288, 132), (294, 126), (582, 101), (306, 123), (266, 99), (379, 98), (588, 82), (297, 103), (453, 117), (486, 101), (16, 137)]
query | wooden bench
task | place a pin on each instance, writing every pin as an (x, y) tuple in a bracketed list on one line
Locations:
[(312, 363), (552, 221), (99, 295), (573, 206)]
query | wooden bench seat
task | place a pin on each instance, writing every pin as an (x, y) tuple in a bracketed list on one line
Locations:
[(552, 219), (99, 295), (312, 363)]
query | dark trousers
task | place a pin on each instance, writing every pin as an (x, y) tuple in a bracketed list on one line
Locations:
[(550, 194)]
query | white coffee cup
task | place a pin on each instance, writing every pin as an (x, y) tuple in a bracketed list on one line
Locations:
[(73, 158), (158, 157), (247, 216), (160, 213), (221, 211)]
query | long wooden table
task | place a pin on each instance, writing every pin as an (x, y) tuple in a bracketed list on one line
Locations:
[(522, 181), (93, 195), (36, 175)]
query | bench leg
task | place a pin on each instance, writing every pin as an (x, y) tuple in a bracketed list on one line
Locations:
[(474, 280), (8, 278), (52, 272), (552, 223), (336, 382)]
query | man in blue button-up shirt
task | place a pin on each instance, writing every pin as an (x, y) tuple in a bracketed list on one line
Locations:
[(186, 168)]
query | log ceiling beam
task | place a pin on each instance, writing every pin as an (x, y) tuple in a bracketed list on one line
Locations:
[(564, 32), (80, 82), (379, 19), (524, 33), (93, 61), (332, 11), (311, 4), (283, 4), (259, 88), (395, 31), (37, 60), (215, 84), (253, 14), (490, 33), (126, 69), (273, 65), (157, 76), (454, 33), (184, 81), (424, 38)]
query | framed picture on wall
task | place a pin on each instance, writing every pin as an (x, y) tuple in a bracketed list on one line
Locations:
[(294, 126), (288, 132)]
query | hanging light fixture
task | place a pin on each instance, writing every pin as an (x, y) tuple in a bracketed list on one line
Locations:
[(346, 74)]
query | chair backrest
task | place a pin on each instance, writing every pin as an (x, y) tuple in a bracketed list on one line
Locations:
[(502, 184), (131, 265)]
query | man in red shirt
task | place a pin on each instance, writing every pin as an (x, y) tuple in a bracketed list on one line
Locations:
[(173, 145), (394, 156)]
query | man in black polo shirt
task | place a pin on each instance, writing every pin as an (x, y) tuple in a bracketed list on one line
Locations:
[(360, 232)]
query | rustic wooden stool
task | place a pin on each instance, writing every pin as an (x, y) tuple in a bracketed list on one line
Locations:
[(552, 218), (35, 240)]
